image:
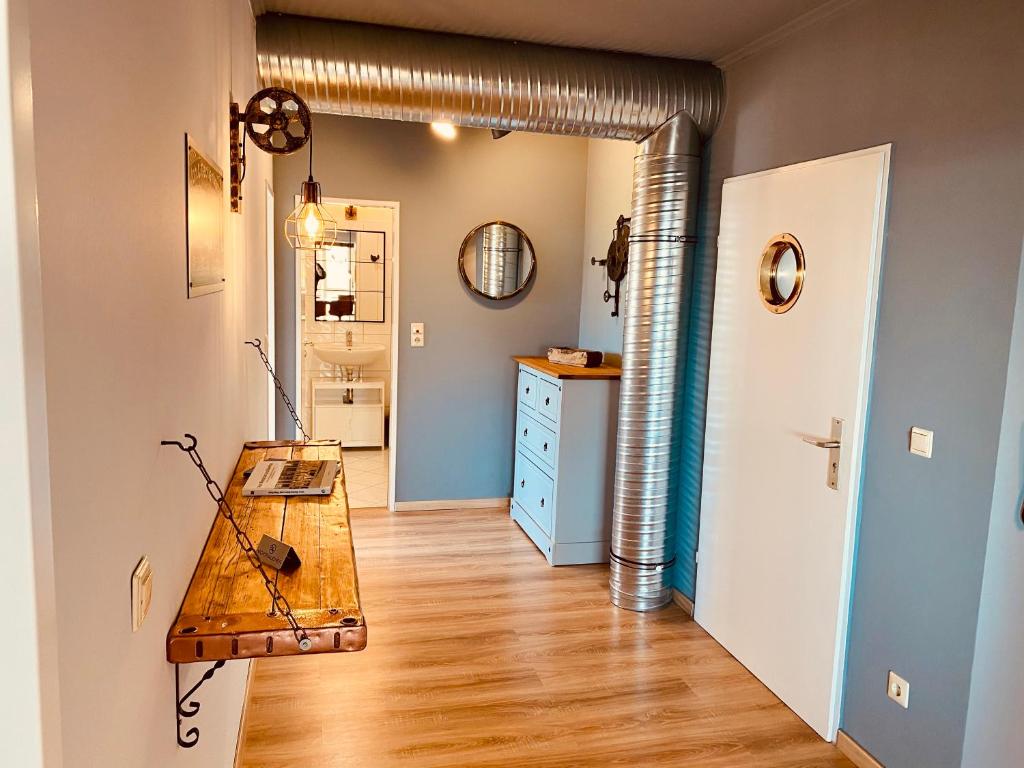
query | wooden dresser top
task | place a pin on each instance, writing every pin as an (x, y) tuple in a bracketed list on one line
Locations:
[(559, 371)]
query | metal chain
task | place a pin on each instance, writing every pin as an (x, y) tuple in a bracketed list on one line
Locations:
[(280, 388), (280, 602)]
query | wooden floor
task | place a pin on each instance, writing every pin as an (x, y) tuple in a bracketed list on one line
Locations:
[(481, 655)]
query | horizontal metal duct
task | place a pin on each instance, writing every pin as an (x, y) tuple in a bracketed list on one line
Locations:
[(366, 70)]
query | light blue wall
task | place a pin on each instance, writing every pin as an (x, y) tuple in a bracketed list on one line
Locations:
[(995, 738), (935, 79), (456, 395)]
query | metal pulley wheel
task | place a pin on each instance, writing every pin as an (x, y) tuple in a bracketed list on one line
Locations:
[(278, 121)]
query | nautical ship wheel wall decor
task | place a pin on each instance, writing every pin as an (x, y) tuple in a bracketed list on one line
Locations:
[(616, 262)]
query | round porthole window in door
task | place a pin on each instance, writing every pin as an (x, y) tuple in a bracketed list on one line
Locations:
[(781, 275)]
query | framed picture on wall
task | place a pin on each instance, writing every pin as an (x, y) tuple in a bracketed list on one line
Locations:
[(204, 223)]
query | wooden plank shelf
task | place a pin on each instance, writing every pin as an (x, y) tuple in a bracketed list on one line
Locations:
[(226, 613)]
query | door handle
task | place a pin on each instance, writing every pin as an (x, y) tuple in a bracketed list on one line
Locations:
[(833, 444), (822, 443)]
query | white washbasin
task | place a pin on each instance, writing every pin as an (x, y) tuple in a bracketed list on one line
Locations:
[(340, 353)]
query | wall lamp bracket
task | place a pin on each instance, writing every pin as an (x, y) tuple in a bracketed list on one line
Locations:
[(276, 120)]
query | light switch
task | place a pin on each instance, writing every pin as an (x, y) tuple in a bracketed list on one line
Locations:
[(142, 592), (416, 333), (921, 442)]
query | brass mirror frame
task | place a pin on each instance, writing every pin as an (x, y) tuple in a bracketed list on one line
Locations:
[(772, 254), (462, 261)]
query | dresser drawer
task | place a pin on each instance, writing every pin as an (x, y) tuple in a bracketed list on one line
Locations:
[(527, 389), (534, 491), (536, 437), (549, 399)]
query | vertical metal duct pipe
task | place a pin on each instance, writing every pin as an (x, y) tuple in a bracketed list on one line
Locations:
[(666, 180), (667, 105)]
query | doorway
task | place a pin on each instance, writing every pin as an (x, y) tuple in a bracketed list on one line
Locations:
[(347, 300), (798, 273)]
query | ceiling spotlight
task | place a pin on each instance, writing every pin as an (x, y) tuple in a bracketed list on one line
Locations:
[(444, 129)]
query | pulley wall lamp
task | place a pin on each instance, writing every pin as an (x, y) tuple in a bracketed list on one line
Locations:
[(278, 121)]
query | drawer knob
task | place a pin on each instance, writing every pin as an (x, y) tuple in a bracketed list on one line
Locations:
[(522, 483), (542, 503), (545, 446), (547, 401), (527, 390), (526, 431)]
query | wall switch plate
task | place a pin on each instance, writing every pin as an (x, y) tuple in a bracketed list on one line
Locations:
[(416, 334), (921, 442), (142, 592), (899, 690)]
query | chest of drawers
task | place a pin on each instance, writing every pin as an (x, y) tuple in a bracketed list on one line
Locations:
[(565, 459)]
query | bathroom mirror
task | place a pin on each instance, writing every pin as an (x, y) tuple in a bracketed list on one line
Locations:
[(348, 278), (497, 260)]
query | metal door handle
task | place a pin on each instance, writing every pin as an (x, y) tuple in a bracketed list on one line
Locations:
[(547, 401), (522, 483), (545, 446), (527, 390), (542, 502), (525, 431), (822, 443)]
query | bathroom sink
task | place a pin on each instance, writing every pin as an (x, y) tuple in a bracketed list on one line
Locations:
[(348, 355)]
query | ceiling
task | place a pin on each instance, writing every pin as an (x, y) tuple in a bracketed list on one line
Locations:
[(692, 29)]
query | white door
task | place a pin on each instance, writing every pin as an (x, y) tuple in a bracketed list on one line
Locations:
[(776, 541)]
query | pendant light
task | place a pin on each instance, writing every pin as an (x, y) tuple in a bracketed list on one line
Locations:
[(310, 226)]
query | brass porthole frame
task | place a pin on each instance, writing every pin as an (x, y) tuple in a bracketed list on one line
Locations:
[(774, 301)]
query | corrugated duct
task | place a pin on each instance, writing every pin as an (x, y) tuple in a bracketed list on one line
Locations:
[(667, 105)]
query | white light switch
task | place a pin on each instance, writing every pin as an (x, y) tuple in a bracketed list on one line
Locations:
[(416, 333), (921, 442), (142, 592)]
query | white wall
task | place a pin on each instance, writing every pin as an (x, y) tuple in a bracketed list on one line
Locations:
[(994, 737), (129, 359), (30, 707), (609, 195)]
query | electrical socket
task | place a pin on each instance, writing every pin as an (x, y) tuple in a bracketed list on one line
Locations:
[(898, 690), (416, 334)]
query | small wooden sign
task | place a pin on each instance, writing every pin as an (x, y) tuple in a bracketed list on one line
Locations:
[(277, 554)]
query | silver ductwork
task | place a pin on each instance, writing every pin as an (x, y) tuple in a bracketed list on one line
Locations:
[(666, 180), (365, 70), (667, 105)]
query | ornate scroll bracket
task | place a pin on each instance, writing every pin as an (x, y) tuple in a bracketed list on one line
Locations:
[(184, 706)]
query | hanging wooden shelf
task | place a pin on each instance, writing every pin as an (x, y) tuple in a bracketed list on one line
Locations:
[(226, 613)]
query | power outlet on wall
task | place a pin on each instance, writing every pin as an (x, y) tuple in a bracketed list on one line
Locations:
[(898, 690)]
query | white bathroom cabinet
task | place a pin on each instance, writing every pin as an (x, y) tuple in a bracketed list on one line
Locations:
[(359, 423)]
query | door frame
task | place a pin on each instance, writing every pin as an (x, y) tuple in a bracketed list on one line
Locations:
[(392, 437), (270, 234), (860, 420)]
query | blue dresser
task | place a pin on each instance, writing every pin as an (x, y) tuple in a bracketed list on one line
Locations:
[(565, 458)]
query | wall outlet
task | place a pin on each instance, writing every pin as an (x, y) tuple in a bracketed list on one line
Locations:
[(142, 592), (416, 334), (899, 690)]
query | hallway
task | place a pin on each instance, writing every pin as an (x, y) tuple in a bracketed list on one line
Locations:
[(481, 655)]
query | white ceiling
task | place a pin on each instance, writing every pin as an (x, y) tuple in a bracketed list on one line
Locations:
[(692, 29)]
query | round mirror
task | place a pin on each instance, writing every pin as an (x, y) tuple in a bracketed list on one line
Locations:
[(496, 260), (781, 275)]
